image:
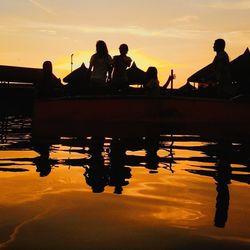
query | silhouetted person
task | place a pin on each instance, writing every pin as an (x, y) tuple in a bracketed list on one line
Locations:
[(222, 70), (169, 80), (120, 64), (152, 85), (118, 172), (223, 178), (49, 85), (100, 66), (96, 174)]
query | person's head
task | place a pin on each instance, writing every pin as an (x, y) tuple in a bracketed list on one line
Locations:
[(151, 73), (98, 188), (101, 48), (219, 45), (47, 67), (123, 49)]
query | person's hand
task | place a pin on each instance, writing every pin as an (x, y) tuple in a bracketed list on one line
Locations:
[(172, 77), (109, 80)]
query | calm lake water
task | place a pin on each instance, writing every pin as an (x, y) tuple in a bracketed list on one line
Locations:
[(169, 191)]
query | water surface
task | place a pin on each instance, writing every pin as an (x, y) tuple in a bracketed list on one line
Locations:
[(170, 191)]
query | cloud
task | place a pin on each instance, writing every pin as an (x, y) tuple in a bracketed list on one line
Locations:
[(48, 31), (132, 30), (42, 7), (185, 19), (169, 32), (142, 32), (231, 5)]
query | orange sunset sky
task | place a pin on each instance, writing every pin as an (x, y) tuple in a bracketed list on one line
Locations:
[(176, 34)]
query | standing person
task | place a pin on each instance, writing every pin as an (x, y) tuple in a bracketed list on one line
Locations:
[(152, 84), (121, 63), (100, 66), (221, 69)]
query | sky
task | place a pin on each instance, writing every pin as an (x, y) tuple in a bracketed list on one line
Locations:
[(167, 34)]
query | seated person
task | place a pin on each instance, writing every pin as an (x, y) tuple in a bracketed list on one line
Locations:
[(120, 64), (221, 65), (152, 85), (49, 84), (170, 78)]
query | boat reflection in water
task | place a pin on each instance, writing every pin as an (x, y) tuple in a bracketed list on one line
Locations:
[(159, 178)]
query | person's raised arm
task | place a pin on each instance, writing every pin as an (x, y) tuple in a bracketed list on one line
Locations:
[(170, 78)]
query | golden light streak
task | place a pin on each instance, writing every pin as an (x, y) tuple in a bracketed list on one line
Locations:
[(17, 229), (237, 5)]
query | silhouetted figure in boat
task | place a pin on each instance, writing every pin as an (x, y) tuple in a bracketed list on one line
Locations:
[(49, 85), (120, 64), (169, 80), (152, 85), (221, 68), (100, 66), (223, 178), (96, 174), (118, 172)]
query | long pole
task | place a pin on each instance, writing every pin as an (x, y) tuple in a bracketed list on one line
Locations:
[(172, 79), (72, 62)]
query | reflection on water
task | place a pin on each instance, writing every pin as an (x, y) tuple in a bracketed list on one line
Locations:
[(181, 183)]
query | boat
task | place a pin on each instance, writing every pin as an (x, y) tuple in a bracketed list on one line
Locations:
[(76, 115)]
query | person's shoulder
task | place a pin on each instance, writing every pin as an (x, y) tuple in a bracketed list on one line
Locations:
[(110, 59), (128, 58), (225, 54), (222, 54), (93, 57)]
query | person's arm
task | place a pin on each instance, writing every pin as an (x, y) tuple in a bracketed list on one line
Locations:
[(129, 60), (170, 78), (91, 64), (110, 68)]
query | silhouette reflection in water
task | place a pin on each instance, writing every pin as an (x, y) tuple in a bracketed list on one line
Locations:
[(223, 178), (102, 172), (3, 129), (107, 163), (96, 174), (152, 159), (118, 172), (42, 162)]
